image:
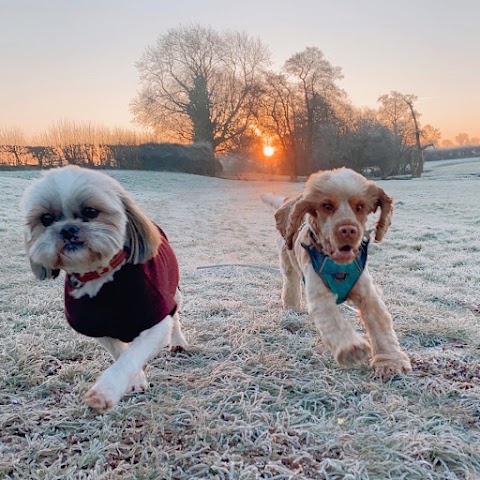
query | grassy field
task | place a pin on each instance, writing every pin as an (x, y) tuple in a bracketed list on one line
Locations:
[(257, 396)]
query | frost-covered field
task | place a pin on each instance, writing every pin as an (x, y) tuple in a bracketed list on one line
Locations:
[(258, 395)]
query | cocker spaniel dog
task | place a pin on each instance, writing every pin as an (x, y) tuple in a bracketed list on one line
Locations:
[(325, 242), (121, 283)]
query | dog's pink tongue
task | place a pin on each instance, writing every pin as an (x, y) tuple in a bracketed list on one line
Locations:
[(343, 256)]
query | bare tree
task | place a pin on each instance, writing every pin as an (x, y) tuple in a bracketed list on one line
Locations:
[(431, 135), (281, 103), (200, 85), (462, 139), (300, 108), (316, 79), (13, 139), (417, 152), (398, 113), (65, 135), (395, 113), (377, 147), (12, 136)]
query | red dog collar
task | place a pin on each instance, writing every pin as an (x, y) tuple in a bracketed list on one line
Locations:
[(76, 280)]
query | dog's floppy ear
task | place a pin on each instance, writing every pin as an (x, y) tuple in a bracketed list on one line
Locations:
[(282, 215), (289, 217), (385, 202), (42, 272), (143, 236)]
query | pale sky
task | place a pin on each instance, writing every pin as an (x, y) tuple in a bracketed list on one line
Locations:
[(75, 59)]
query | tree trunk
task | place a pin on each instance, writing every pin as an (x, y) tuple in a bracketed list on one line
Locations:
[(417, 156), (198, 110), (292, 164)]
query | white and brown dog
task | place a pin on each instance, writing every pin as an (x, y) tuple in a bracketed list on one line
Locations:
[(121, 283), (324, 242)]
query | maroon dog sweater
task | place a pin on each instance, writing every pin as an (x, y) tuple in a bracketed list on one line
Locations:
[(138, 297)]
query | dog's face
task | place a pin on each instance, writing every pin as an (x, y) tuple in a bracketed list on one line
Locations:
[(77, 219), (338, 202)]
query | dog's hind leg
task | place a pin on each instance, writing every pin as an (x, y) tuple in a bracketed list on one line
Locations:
[(114, 346), (177, 341)]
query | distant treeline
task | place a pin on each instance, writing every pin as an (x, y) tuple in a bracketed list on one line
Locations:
[(197, 158), (453, 152)]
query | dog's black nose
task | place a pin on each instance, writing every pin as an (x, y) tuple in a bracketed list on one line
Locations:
[(68, 232)]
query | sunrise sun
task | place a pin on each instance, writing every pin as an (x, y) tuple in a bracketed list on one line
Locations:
[(268, 151)]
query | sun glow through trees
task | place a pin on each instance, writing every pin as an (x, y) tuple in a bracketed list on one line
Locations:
[(268, 151)]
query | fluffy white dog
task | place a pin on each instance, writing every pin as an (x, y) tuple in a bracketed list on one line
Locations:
[(121, 283)]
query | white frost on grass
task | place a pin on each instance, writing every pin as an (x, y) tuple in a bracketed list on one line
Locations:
[(258, 395)]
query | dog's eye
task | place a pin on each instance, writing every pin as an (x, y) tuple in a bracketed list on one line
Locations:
[(89, 213), (328, 207), (47, 219), (360, 207)]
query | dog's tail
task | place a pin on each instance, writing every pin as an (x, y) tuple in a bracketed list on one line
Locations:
[(273, 200)]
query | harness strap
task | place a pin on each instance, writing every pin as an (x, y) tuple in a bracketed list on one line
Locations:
[(338, 278)]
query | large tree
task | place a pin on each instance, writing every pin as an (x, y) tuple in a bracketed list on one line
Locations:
[(281, 103), (200, 85), (298, 105), (431, 135), (316, 79), (397, 113), (370, 146)]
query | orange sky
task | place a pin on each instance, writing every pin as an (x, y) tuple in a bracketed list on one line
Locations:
[(76, 59)]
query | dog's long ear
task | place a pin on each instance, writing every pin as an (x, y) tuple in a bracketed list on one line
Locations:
[(289, 217), (385, 202), (42, 272), (301, 208), (282, 215), (143, 236)]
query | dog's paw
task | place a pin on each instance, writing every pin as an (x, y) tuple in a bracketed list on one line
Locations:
[(178, 344), (292, 307), (107, 392), (177, 349), (139, 383), (357, 352), (387, 366), (101, 398)]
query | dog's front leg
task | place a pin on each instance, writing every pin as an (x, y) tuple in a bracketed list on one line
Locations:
[(388, 358), (348, 347), (292, 281), (116, 347), (114, 382)]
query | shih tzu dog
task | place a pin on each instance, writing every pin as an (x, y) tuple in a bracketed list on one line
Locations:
[(121, 283)]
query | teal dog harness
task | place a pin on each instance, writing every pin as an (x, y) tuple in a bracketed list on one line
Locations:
[(339, 279)]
